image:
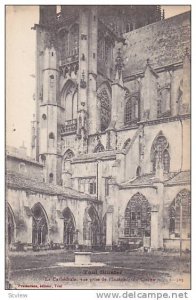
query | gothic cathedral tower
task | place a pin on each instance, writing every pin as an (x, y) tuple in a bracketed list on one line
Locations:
[(46, 147), (75, 80)]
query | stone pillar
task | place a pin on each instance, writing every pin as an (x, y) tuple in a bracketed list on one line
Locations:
[(120, 167), (83, 59), (148, 106), (67, 174), (66, 177), (173, 94), (29, 229), (186, 83), (154, 227), (111, 137), (109, 228), (93, 111), (117, 114), (99, 180)]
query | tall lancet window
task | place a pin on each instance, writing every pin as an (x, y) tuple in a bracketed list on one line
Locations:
[(74, 40), (70, 100), (131, 110), (104, 98), (180, 215), (160, 153)]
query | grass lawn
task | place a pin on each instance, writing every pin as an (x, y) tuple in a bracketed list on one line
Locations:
[(122, 270)]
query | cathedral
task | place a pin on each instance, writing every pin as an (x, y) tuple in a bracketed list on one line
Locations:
[(110, 162)]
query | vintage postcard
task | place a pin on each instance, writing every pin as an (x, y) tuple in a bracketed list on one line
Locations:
[(98, 147)]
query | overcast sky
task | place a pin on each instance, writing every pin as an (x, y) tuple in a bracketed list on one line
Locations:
[(20, 65)]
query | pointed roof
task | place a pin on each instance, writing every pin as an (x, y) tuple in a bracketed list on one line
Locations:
[(171, 178), (164, 42)]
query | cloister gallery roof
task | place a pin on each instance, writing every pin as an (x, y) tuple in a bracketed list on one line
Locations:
[(18, 181)]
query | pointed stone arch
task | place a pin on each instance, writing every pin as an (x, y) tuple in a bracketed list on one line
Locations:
[(73, 39), (40, 227), (105, 84), (69, 96), (91, 228), (138, 217), (68, 155), (69, 228), (104, 95), (99, 148), (160, 153), (131, 113), (180, 212), (11, 225)]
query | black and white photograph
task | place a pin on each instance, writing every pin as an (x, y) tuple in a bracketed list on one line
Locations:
[(98, 147)]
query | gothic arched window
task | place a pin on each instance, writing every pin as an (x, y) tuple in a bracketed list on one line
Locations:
[(138, 217), (131, 110), (74, 40), (69, 228), (70, 100), (180, 214), (92, 228), (160, 154), (105, 108), (66, 159), (128, 111), (40, 225), (164, 97), (63, 45)]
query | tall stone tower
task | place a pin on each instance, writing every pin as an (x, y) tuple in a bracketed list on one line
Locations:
[(75, 79), (48, 109)]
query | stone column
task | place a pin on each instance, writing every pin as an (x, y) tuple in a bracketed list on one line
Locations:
[(120, 167), (99, 180), (154, 227), (109, 228)]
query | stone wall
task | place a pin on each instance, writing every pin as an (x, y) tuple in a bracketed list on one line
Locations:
[(25, 167), (22, 202)]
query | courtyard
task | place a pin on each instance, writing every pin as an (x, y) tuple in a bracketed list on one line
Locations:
[(120, 270)]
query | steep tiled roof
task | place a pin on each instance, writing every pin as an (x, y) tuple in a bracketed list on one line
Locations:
[(18, 181), (163, 42), (181, 177), (168, 178), (27, 159), (146, 179)]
